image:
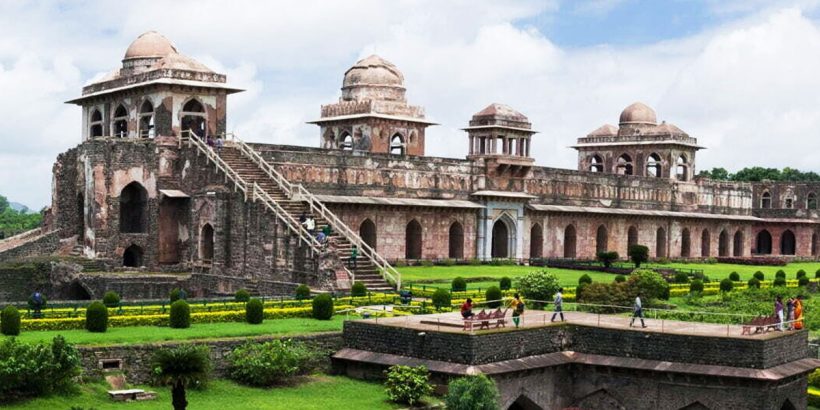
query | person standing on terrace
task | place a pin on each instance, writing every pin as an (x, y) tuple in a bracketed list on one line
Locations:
[(517, 305), (778, 311), (637, 311), (559, 305)]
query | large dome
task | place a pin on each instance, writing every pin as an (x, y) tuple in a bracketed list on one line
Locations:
[(373, 70), (150, 45), (638, 113)]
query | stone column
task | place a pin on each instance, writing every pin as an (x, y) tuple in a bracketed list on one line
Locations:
[(519, 234)]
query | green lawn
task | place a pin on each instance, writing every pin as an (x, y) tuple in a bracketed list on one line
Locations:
[(142, 334), (718, 271), (318, 392)]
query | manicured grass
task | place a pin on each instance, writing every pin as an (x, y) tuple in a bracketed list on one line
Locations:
[(718, 271), (142, 334), (445, 274), (318, 392)]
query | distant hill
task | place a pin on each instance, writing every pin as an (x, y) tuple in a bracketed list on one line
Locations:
[(19, 207)]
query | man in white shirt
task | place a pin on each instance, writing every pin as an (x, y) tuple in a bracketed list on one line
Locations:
[(637, 311), (559, 305)]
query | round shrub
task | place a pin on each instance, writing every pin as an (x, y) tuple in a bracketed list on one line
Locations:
[(254, 311), (649, 283), (96, 317), (584, 279), (323, 307), (800, 274), (706, 279), (407, 384), (358, 289), (696, 286), (681, 277), (459, 284), (472, 393), (441, 299), (726, 285), (817, 274), (814, 378), (620, 279), (505, 283), (779, 282), (803, 281), (302, 292), (780, 274), (754, 283), (270, 363), (734, 276), (242, 295), (540, 285), (177, 294), (10, 321), (180, 315), (111, 299), (493, 297), (759, 276)]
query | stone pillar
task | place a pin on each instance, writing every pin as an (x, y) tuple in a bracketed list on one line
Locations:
[(519, 235), (481, 242)]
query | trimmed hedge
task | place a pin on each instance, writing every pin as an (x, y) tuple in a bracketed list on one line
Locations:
[(323, 307), (442, 299), (96, 318), (726, 285), (754, 283), (358, 289), (302, 292), (734, 277), (779, 281), (10, 321), (505, 283), (493, 293), (459, 284), (242, 295), (696, 286), (254, 312), (180, 317), (759, 275), (111, 299)]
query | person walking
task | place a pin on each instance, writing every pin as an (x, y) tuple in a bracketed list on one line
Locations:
[(778, 311), (219, 144), (637, 311), (517, 305), (310, 224), (559, 305), (354, 254), (326, 230), (790, 313), (798, 313)]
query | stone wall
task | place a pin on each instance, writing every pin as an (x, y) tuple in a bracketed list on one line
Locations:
[(36, 245), (135, 359)]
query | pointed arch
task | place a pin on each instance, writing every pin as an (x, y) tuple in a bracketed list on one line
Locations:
[(764, 243), (194, 118), (766, 200), (695, 406), (682, 168), (146, 120), (601, 239), (660, 243), (814, 244), (723, 243), (132, 256), (737, 246), (95, 124), (653, 165), (536, 241), (596, 163), (570, 241), (503, 239), (705, 244), (206, 243), (346, 141), (397, 144), (119, 124), (623, 166), (456, 241), (811, 201), (367, 231), (788, 243), (631, 237), (788, 405), (413, 240), (685, 243), (523, 402), (133, 212)]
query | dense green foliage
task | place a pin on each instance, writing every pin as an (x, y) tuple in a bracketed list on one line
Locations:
[(757, 174), (177, 294), (696, 286), (779, 282), (649, 283), (302, 292), (459, 285), (780, 274), (607, 258), (681, 277), (493, 296), (638, 254), (803, 281), (242, 295), (584, 280), (726, 285), (111, 299), (358, 289), (323, 307), (734, 276), (441, 299), (620, 278), (539, 285), (800, 274), (269, 363), (180, 315), (28, 370), (759, 275), (472, 393), (407, 384), (96, 318), (10, 321), (188, 365), (754, 283), (505, 283), (13, 222), (254, 311)]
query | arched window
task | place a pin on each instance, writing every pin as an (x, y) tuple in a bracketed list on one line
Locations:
[(397, 145), (412, 235), (766, 200), (146, 123), (723, 243), (705, 244), (347, 141), (788, 244), (631, 237), (456, 241), (814, 244), (194, 118), (501, 239), (653, 165), (132, 257), (685, 243), (596, 164), (601, 240), (206, 243), (96, 124), (569, 242), (788, 202), (367, 231), (536, 241), (660, 243), (133, 215), (682, 168), (624, 165), (737, 249), (119, 125), (764, 243), (811, 201)]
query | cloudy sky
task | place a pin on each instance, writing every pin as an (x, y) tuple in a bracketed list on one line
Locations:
[(743, 76)]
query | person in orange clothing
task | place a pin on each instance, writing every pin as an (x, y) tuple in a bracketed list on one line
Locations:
[(798, 313)]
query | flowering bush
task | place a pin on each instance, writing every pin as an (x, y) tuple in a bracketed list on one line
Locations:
[(269, 363), (407, 384), (540, 285)]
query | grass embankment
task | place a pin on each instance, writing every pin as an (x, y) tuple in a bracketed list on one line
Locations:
[(316, 392), (145, 334)]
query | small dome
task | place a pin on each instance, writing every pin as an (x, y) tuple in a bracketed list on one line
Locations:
[(605, 130), (373, 70), (667, 129), (150, 44), (638, 113), (501, 111)]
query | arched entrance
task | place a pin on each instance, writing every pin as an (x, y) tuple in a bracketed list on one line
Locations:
[(601, 240), (788, 244), (631, 237), (456, 241), (133, 215), (723, 243), (685, 243), (660, 243), (194, 118), (764, 243), (412, 235), (76, 291), (367, 231), (132, 257), (206, 243), (705, 243), (569, 242), (737, 248), (502, 239), (524, 403), (536, 241)]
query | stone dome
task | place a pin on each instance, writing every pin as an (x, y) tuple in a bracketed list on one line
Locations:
[(501, 111), (373, 71), (638, 113), (150, 45)]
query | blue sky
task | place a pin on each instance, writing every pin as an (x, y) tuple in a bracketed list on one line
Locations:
[(738, 75)]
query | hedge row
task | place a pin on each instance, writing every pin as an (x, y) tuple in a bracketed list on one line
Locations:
[(713, 288), (162, 320)]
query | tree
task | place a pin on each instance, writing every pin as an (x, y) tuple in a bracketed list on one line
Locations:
[(607, 258), (472, 393), (649, 283), (638, 254), (181, 367), (538, 286)]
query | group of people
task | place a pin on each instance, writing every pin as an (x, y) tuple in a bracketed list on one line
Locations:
[(516, 304), (215, 143), (790, 315)]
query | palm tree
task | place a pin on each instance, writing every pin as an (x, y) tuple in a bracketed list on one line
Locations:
[(180, 367)]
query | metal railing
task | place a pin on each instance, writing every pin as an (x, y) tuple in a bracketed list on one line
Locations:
[(299, 192)]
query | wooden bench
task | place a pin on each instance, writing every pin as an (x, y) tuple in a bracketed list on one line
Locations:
[(761, 324), (485, 318)]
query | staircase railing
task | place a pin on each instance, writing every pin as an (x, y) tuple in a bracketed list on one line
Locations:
[(299, 192)]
